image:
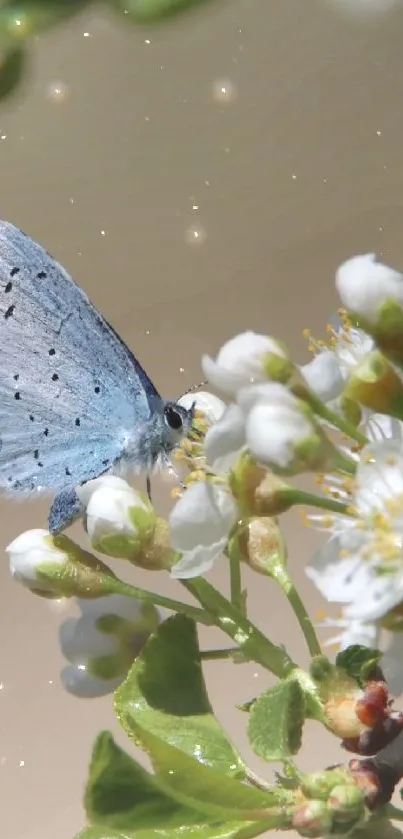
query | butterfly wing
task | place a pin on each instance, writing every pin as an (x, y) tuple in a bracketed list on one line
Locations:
[(70, 389)]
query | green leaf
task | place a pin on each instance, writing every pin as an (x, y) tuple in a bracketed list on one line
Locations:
[(165, 694), (203, 788), (144, 11), (228, 830), (105, 833), (358, 661), (12, 69), (276, 720), (121, 794)]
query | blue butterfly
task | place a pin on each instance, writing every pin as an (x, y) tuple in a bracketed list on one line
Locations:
[(74, 401)]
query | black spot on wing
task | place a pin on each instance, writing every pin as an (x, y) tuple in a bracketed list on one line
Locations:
[(9, 312)]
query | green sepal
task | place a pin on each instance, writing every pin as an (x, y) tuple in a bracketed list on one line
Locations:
[(358, 662)]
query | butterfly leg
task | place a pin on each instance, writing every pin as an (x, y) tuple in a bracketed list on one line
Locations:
[(65, 509)]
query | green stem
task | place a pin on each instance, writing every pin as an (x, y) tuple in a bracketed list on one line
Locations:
[(252, 642), (282, 577), (199, 615), (345, 464), (392, 812), (215, 655), (236, 580), (339, 422), (309, 499)]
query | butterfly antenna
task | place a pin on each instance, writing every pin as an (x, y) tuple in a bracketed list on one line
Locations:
[(194, 388)]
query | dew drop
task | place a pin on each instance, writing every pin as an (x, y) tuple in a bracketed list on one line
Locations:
[(57, 92), (195, 235), (224, 91)]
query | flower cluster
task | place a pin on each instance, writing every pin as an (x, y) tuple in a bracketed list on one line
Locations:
[(339, 417)]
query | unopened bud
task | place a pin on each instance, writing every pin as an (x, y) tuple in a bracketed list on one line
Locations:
[(54, 566), (312, 819)]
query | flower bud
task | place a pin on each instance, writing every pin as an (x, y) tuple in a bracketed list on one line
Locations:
[(375, 384), (120, 521), (257, 490), (341, 697), (243, 360), (103, 642), (373, 294), (347, 804), (312, 819), (260, 543), (54, 566), (281, 432), (320, 784)]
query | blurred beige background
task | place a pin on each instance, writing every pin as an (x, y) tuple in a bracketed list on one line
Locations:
[(197, 179)]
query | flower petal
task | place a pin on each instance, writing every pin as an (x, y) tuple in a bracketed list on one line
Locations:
[(323, 375), (210, 405), (273, 432), (197, 562), (225, 439), (81, 683), (340, 580), (203, 516), (377, 597), (379, 476), (80, 640)]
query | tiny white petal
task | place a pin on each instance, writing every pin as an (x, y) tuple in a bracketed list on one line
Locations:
[(85, 491), (78, 681), (80, 640), (198, 561), (31, 552), (240, 362), (364, 285), (340, 580), (114, 604), (200, 524), (212, 406), (272, 393), (203, 516), (377, 598), (351, 632), (379, 476), (273, 431), (28, 540), (225, 439), (323, 375)]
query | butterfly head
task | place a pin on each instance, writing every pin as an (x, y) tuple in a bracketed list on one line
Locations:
[(151, 444)]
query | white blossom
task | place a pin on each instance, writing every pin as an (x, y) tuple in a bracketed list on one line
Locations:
[(361, 565)]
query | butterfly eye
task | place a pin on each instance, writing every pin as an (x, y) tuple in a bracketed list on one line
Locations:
[(173, 418)]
